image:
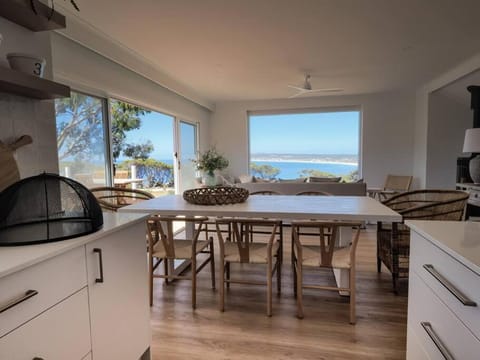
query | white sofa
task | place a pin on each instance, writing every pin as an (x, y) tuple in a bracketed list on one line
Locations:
[(291, 188)]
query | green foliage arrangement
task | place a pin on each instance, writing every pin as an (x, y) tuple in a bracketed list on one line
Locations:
[(264, 171), (210, 161)]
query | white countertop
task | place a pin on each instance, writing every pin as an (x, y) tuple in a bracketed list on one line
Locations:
[(460, 239), (15, 258), (357, 208)]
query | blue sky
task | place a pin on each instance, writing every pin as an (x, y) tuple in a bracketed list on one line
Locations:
[(311, 133), (158, 128)]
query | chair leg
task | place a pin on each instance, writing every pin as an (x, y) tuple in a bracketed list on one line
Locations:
[(194, 283), (212, 263), (395, 283), (353, 317), (379, 265), (222, 285), (269, 287), (299, 291), (150, 268), (227, 266), (279, 274), (165, 269), (294, 264)]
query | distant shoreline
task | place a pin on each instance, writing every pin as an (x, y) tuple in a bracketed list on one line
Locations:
[(313, 161)]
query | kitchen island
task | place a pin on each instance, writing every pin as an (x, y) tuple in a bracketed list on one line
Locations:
[(444, 290), (82, 298)]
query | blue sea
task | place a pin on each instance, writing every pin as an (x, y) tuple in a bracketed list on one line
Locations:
[(292, 170)]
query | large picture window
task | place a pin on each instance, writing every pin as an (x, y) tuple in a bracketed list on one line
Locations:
[(303, 145)]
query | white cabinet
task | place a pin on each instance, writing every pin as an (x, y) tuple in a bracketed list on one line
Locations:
[(53, 307), (444, 295), (119, 297)]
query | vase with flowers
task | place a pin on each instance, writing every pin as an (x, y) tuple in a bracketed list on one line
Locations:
[(209, 162)]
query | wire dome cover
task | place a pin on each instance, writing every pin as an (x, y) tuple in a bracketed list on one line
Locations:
[(47, 208)]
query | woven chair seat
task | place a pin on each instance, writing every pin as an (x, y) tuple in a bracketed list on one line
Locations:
[(183, 249), (340, 259), (258, 252)]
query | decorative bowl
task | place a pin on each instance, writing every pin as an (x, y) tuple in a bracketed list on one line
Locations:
[(26, 63), (217, 195)]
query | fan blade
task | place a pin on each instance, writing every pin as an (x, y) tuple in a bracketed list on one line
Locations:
[(296, 87), (325, 90), (300, 93)]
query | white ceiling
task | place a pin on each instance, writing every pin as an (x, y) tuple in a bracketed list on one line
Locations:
[(251, 49)]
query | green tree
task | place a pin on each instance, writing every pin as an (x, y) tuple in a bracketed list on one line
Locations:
[(138, 151), (80, 126), (264, 171), (125, 117)]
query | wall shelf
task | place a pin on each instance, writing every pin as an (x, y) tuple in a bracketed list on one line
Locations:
[(16, 82), (20, 12)]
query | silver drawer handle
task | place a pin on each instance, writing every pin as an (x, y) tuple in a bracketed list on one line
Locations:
[(436, 340), (20, 299), (449, 286)]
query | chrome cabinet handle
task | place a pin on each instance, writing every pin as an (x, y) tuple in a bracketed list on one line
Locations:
[(100, 264), (449, 286), (436, 340), (28, 294)]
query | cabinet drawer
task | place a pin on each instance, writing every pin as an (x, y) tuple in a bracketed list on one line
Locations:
[(425, 307), (53, 280), (423, 252), (60, 333)]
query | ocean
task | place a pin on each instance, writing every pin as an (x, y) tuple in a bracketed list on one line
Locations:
[(292, 170)]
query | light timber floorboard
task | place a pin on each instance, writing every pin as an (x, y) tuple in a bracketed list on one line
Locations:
[(243, 331)]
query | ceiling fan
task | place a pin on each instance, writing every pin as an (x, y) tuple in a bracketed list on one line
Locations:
[(306, 88)]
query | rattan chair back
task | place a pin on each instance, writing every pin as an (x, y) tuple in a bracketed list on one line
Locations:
[(393, 239), (114, 198)]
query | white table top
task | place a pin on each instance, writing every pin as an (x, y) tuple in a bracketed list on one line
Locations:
[(15, 258), (286, 207), (460, 239)]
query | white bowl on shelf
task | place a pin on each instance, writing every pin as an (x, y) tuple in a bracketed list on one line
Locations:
[(26, 63)]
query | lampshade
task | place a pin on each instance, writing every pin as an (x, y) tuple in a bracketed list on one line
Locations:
[(472, 141)]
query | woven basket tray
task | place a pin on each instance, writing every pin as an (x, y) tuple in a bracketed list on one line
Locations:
[(218, 195)]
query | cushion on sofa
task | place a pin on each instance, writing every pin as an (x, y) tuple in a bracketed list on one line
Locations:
[(315, 179)]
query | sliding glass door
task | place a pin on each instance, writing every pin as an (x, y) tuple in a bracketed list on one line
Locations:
[(186, 152)]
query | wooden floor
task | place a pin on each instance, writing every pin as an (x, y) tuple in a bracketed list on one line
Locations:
[(243, 331)]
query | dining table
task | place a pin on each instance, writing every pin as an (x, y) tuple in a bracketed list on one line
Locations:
[(284, 207)]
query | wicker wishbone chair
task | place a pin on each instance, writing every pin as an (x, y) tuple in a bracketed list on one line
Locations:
[(247, 246), (114, 198), (323, 255), (164, 245)]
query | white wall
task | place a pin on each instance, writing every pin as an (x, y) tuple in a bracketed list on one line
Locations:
[(90, 72), (24, 116), (387, 127), (447, 121), (440, 127)]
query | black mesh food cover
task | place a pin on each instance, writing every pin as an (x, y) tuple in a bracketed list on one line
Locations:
[(47, 208)]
